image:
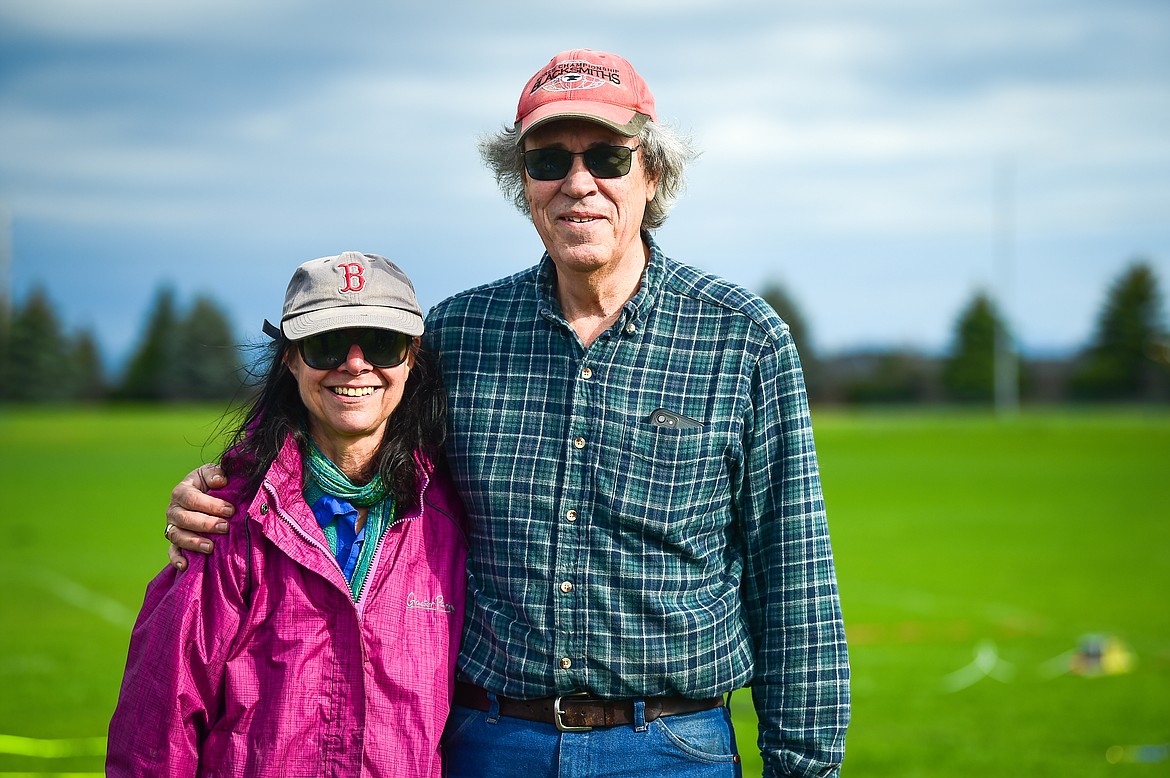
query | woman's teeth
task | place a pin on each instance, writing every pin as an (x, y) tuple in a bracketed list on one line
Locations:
[(352, 391)]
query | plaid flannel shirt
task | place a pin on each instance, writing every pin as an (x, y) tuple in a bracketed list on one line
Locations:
[(628, 558)]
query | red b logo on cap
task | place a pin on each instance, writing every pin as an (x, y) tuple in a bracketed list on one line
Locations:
[(354, 281)]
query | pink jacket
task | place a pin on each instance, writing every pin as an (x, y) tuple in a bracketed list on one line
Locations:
[(257, 662)]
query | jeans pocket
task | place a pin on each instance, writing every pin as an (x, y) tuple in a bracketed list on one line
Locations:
[(459, 720), (705, 736)]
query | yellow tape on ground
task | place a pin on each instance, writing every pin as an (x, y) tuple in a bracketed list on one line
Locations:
[(52, 749), (50, 775)]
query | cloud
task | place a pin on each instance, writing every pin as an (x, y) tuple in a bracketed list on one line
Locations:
[(76, 21), (854, 147)]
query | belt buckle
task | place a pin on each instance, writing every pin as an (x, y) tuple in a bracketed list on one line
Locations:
[(557, 713)]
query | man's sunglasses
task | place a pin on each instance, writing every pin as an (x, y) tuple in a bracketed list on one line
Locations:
[(381, 348), (600, 161)]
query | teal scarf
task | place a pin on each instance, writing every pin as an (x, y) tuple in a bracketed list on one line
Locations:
[(322, 478)]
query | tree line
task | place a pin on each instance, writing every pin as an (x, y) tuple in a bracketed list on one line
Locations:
[(183, 355), (190, 354), (1126, 360)]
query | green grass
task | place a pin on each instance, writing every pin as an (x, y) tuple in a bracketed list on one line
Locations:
[(950, 530), (953, 529), (84, 494)]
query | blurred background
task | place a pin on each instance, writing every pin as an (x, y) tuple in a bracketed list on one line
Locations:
[(881, 160), (962, 208)]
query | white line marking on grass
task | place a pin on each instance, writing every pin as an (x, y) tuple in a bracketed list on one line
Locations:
[(52, 749), (77, 595), (987, 664), (1056, 666)]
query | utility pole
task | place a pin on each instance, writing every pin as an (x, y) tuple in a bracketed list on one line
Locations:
[(1007, 367)]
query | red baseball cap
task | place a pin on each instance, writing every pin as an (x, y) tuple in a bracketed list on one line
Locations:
[(590, 85)]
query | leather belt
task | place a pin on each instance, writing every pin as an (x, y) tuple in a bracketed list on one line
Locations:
[(580, 712)]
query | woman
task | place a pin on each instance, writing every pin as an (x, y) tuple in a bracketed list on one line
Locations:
[(323, 641)]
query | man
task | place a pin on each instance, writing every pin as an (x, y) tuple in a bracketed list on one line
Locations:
[(632, 440)]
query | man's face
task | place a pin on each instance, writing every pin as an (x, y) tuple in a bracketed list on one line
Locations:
[(588, 223)]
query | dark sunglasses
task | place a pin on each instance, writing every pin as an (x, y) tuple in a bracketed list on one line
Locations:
[(381, 348), (600, 161)]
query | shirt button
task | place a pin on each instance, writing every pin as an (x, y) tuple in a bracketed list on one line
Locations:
[(631, 328), (566, 663), (586, 373), (566, 587), (571, 515), (579, 443), (263, 509)]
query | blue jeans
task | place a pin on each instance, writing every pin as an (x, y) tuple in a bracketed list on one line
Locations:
[(701, 745)]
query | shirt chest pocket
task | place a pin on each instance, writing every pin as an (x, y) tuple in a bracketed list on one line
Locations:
[(667, 478)]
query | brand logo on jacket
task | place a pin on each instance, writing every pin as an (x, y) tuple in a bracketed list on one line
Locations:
[(438, 604)]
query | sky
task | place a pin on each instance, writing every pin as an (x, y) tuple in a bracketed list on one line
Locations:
[(882, 160)]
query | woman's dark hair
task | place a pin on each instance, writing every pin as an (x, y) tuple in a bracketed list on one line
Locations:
[(418, 423)]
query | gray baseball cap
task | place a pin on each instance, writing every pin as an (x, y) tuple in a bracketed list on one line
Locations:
[(349, 290)]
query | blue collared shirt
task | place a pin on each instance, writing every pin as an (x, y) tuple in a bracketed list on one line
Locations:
[(330, 510), (616, 552)]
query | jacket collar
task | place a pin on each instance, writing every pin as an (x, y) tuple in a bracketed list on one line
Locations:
[(283, 488)]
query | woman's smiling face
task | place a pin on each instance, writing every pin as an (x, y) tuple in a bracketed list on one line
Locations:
[(351, 402)]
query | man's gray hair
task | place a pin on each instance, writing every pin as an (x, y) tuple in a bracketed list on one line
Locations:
[(665, 154)]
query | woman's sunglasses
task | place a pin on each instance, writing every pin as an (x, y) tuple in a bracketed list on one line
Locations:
[(381, 348), (600, 161)]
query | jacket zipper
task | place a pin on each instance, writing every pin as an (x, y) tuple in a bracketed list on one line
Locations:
[(374, 565), (312, 541), (376, 560)]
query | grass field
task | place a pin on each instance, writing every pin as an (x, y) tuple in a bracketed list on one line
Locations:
[(973, 556)]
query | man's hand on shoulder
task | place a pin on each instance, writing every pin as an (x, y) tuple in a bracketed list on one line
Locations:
[(192, 514)]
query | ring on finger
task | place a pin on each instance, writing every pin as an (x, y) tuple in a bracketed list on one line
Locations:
[(167, 532)]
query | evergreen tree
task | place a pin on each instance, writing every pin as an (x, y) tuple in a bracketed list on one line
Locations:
[(210, 367), (968, 374), (777, 296), (152, 373), (37, 353), (1121, 361), (5, 347), (88, 381)]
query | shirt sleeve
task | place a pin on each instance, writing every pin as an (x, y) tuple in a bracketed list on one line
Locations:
[(801, 682), (172, 690)]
